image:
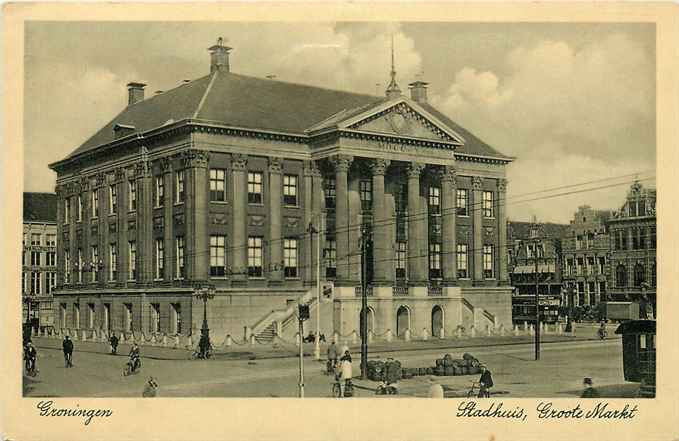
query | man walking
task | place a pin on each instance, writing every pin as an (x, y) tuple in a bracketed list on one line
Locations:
[(114, 343), (67, 346)]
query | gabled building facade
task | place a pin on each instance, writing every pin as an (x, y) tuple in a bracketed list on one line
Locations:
[(632, 231), (221, 182), (39, 258)]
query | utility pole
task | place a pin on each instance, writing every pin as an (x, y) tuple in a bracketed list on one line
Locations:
[(536, 242), (301, 359), (364, 301), (312, 231)]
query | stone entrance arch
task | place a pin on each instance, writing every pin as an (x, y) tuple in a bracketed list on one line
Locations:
[(402, 320), (371, 320), (437, 320)]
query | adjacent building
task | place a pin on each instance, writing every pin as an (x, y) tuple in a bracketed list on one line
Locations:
[(632, 231), (39, 258), (586, 257), (222, 182)]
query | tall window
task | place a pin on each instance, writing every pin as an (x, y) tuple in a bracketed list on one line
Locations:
[(623, 239), (621, 276), (401, 259), (462, 201), (642, 207), (488, 204), (79, 213), (581, 264), (290, 190), (67, 266), (462, 265), (95, 262), (179, 259), (638, 274), (51, 240), (159, 193), (434, 200), (365, 189), (590, 265), (160, 258), (488, 272), (94, 198), (330, 192), (254, 187), (569, 267), (179, 187), (578, 242), (35, 282), (132, 194), (35, 258), (217, 253), (434, 260), (112, 262), (51, 281), (592, 297), (132, 261), (602, 290), (36, 239), (254, 257), (330, 256), (217, 185), (290, 257), (67, 210), (80, 266), (652, 238), (602, 264), (112, 199), (642, 238)]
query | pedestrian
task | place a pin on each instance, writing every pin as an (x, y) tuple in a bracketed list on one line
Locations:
[(114, 343), (67, 346), (590, 391), (435, 389), (332, 355), (30, 354), (150, 388), (346, 373), (485, 382)]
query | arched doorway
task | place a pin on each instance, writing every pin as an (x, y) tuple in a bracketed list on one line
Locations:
[(371, 320), (402, 320), (436, 321)]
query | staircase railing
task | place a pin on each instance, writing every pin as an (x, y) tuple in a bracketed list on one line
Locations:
[(282, 315)]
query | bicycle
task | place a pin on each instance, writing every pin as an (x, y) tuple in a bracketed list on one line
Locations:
[(132, 366), (337, 388), (197, 354), (31, 370), (474, 392)]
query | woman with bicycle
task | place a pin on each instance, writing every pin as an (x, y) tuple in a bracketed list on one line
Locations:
[(485, 382)]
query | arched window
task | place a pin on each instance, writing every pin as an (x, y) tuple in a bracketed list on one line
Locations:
[(621, 276), (638, 274)]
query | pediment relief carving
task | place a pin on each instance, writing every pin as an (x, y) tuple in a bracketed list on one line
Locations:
[(401, 119)]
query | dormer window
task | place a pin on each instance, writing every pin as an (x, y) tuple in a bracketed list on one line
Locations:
[(122, 130)]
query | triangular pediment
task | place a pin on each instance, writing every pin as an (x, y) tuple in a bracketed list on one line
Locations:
[(401, 118)]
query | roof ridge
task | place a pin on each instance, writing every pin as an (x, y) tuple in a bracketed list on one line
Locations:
[(205, 94), (307, 85), (146, 100)]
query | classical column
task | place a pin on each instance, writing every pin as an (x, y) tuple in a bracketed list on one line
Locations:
[(502, 230), (275, 220), (383, 249), (342, 164), (318, 204), (313, 196), (477, 210), (168, 220), (196, 212), (86, 230), (448, 228), (144, 222), (418, 248), (239, 163)]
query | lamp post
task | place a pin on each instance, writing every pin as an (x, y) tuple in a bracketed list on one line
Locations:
[(312, 230), (365, 240), (205, 293), (534, 234)]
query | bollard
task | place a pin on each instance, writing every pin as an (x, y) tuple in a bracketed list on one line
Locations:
[(559, 329), (425, 334), (458, 331), (228, 341), (389, 336), (473, 331), (516, 330), (525, 326), (543, 328), (442, 333), (406, 335), (354, 338), (489, 330), (252, 340), (176, 340), (298, 340), (502, 330), (370, 336), (531, 330), (335, 337)]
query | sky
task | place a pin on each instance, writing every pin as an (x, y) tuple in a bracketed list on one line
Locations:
[(573, 103)]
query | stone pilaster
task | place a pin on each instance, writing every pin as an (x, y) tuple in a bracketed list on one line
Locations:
[(168, 221), (502, 230), (448, 226), (477, 211), (418, 248), (383, 249), (312, 215), (318, 205), (144, 226), (342, 164), (239, 163), (275, 276), (61, 197), (121, 229), (100, 188), (196, 212)]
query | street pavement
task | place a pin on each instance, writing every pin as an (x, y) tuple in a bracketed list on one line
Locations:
[(559, 372)]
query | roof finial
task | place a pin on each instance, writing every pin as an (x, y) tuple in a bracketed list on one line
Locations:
[(393, 91)]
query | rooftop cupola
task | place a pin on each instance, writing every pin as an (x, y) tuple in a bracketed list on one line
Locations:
[(219, 56)]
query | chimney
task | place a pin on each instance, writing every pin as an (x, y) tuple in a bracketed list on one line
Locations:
[(135, 93), (418, 91), (219, 56)]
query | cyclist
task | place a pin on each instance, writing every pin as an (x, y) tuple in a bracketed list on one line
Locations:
[(602, 332), (332, 356), (134, 356)]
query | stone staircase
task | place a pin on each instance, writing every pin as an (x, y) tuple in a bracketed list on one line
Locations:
[(278, 321), (267, 334)]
